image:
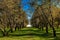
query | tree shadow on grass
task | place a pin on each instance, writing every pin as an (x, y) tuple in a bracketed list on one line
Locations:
[(33, 33), (37, 33)]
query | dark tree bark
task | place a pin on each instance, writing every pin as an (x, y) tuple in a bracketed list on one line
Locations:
[(43, 14), (54, 31), (47, 28), (5, 33), (11, 30)]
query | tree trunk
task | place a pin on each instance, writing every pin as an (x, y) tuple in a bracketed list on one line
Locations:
[(15, 28), (46, 28), (5, 33), (42, 28), (11, 30), (57, 25), (54, 32), (43, 14)]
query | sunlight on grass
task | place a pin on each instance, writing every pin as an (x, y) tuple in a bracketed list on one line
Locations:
[(24, 38), (30, 34)]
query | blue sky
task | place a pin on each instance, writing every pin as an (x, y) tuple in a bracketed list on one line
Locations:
[(28, 9), (26, 6)]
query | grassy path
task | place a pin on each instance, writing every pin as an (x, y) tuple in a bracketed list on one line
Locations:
[(29, 34)]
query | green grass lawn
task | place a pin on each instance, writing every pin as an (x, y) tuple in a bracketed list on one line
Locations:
[(31, 34)]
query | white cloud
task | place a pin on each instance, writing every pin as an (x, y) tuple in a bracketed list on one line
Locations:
[(58, 6), (56, 3)]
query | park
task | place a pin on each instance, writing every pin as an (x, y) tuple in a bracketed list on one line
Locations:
[(29, 19)]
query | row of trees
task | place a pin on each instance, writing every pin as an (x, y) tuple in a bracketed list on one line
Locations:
[(11, 16), (46, 15)]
